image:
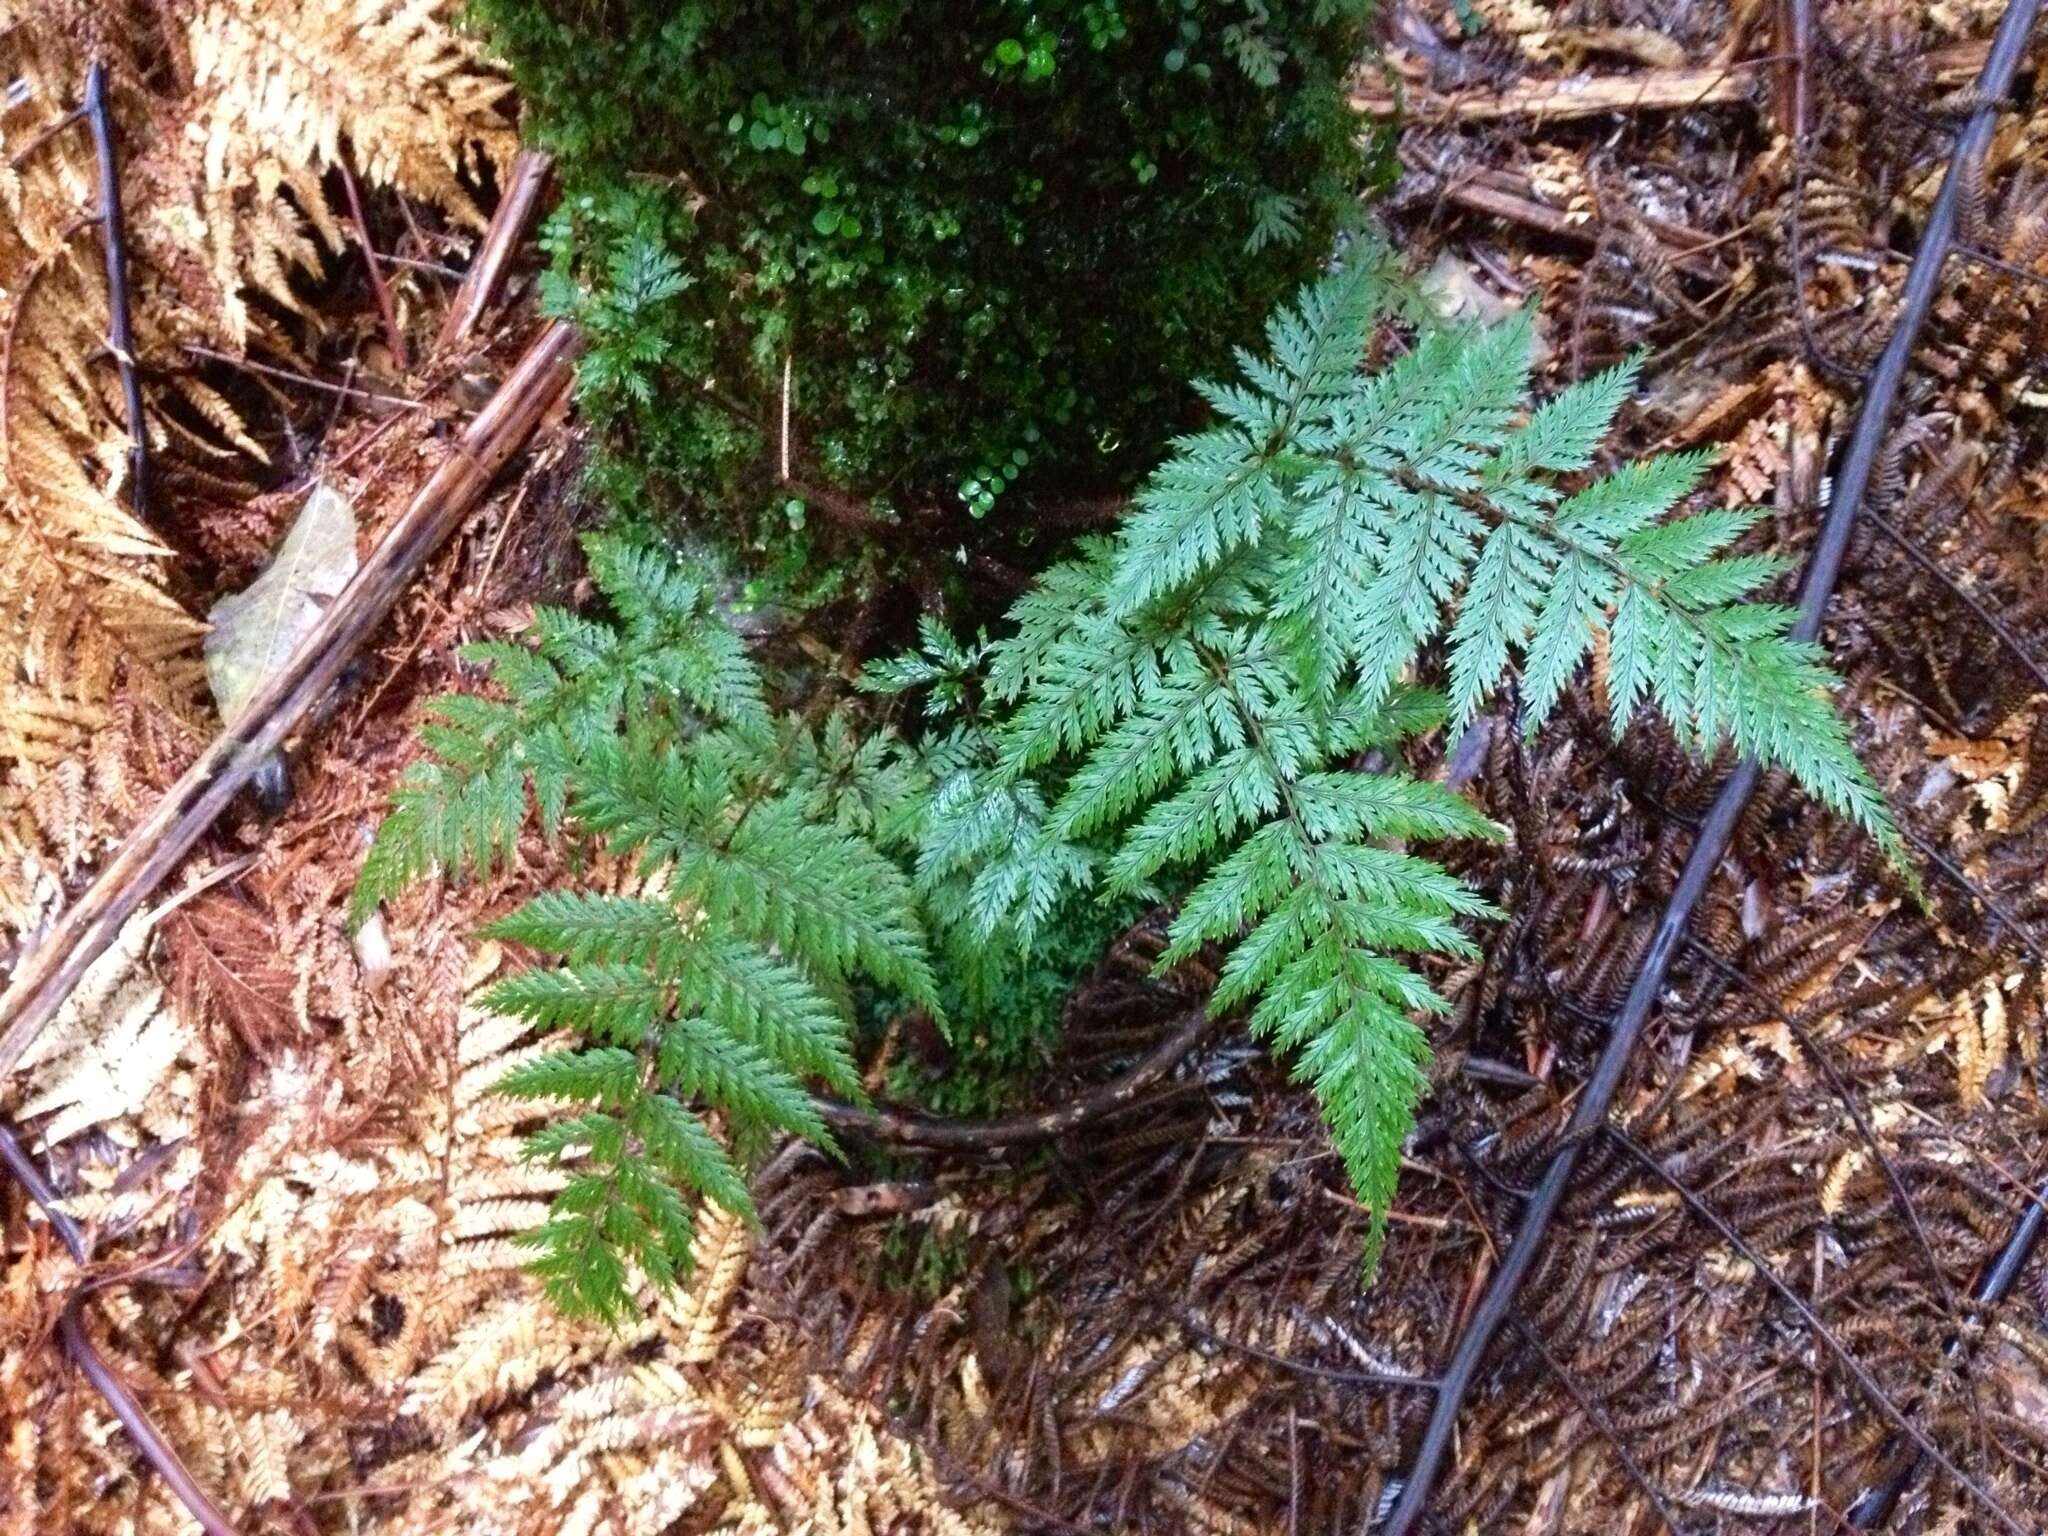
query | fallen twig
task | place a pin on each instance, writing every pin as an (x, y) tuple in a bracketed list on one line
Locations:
[(107, 1381), (305, 380), (113, 241), (1503, 195), (394, 338), (524, 184), (42, 136), (1879, 1398), (2001, 631), (1873, 1508), (909, 1129), (1650, 90), (1678, 89), (1840, 1088), (45, 977), (1600, 1420), (1718, 828)]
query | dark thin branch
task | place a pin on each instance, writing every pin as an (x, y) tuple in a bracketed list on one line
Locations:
[(1840, 1088), (14, 1157), (1879, 1398), (394, 338), (1976, 893), (289, 376), (907, 1128), (105, 1380), (113, 240), (1984, 615), (1984, 258), (1576, 1390), (1875, 1505), (1717, 830), (43, 135), (1873, 1508)]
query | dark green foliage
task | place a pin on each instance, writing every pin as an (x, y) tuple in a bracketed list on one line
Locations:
[(1003, 1009), (1209, 708), (722, 984), (990, 241), (1201, 690)]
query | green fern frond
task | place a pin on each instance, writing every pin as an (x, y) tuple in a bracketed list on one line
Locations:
[(1196, 690), (460, 809), (723, 987), (606, 1075)]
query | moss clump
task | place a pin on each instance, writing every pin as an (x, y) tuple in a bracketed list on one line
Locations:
[(1004, 1012), (986, 244)]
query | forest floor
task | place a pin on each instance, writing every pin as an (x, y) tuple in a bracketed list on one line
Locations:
[(304, 1203)]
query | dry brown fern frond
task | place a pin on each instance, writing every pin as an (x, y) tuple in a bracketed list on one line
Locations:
[(838, 1468), (222, 179), (106, 1057), (84, 617), (282, 89)]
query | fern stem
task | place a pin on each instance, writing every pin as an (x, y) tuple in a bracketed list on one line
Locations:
[(1823, 568), (114, 242), (1847, 1099)]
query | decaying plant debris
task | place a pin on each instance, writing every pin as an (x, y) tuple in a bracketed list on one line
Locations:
[(302, 1202)]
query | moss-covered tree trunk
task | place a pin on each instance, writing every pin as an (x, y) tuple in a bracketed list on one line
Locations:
[(920, 269)]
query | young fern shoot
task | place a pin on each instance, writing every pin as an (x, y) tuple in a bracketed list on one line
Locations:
[(1222, 684), (721, 984)]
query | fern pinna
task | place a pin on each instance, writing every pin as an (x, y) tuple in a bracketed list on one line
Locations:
[(1201, 689), (723, 984)]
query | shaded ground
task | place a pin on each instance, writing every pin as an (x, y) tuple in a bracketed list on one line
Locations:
[(1158, 1324)]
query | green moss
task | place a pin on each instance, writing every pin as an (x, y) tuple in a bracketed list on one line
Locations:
[(919, 1260), (986, 243), (1004, 1011)]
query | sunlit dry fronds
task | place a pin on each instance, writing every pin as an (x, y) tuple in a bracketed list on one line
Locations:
[(280, 86), (222, 181)]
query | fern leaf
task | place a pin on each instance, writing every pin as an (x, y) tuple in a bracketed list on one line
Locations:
[(1195, 690), (605, 1076), (585, 928), (771, 1005), (571, 692)]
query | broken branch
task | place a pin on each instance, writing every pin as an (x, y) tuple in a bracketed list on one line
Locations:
[(45, 977), (1651, 90), (524, 184), (113, 241)]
